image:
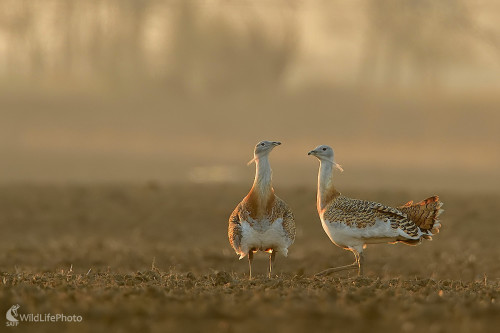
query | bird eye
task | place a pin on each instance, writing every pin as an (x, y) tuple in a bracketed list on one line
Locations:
[(262, 144), (324, 149)]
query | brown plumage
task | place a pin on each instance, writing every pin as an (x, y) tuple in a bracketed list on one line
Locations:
[(252, 213), (424, 214), (414, 220)]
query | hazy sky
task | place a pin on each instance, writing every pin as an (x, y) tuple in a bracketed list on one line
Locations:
[(166, 91)]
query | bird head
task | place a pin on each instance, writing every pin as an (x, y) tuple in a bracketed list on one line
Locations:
[(263, 148), (325, 153)]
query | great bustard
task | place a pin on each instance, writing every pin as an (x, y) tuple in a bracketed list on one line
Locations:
[(261, 221), (352, 223)]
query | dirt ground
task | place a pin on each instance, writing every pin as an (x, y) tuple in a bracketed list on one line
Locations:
[(156, 258)]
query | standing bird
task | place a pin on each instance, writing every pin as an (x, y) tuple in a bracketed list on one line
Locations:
[(352, 223), (261, 221)]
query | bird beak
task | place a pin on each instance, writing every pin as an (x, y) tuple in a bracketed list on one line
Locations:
[(276, 143), (312, 152)]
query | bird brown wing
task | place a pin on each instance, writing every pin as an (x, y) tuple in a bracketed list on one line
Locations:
[(281, 210), (363, 214), (234, 229)]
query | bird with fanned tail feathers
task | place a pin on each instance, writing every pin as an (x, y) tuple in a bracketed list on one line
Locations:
[(261, 221), (352, 224)]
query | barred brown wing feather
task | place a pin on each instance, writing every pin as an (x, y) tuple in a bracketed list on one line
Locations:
[(281, 210), (234, 229)]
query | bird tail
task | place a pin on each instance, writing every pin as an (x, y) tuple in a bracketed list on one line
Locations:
[(425, 214)]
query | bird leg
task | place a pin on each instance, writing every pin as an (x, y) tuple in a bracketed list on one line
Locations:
[(356, 264), (250, 258), (272, 257), (361, 260), (329, 271)]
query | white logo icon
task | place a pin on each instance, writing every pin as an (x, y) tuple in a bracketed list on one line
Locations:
[(11, 315)]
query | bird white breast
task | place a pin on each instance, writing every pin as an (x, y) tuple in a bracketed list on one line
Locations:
[(263, 235), (351, 236)]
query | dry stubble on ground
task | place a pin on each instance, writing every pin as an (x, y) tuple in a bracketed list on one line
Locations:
[(90, 250)]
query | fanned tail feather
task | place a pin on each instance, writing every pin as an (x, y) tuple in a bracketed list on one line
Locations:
[(425, 214)]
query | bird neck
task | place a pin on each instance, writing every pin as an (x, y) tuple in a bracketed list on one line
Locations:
[(326, 189), (263, 177), (262, 193)]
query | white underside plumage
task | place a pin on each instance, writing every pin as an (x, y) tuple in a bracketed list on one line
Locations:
[(263, 235), (355, 238)]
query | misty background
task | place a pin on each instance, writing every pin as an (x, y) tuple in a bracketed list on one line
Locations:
[(406, 92)]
